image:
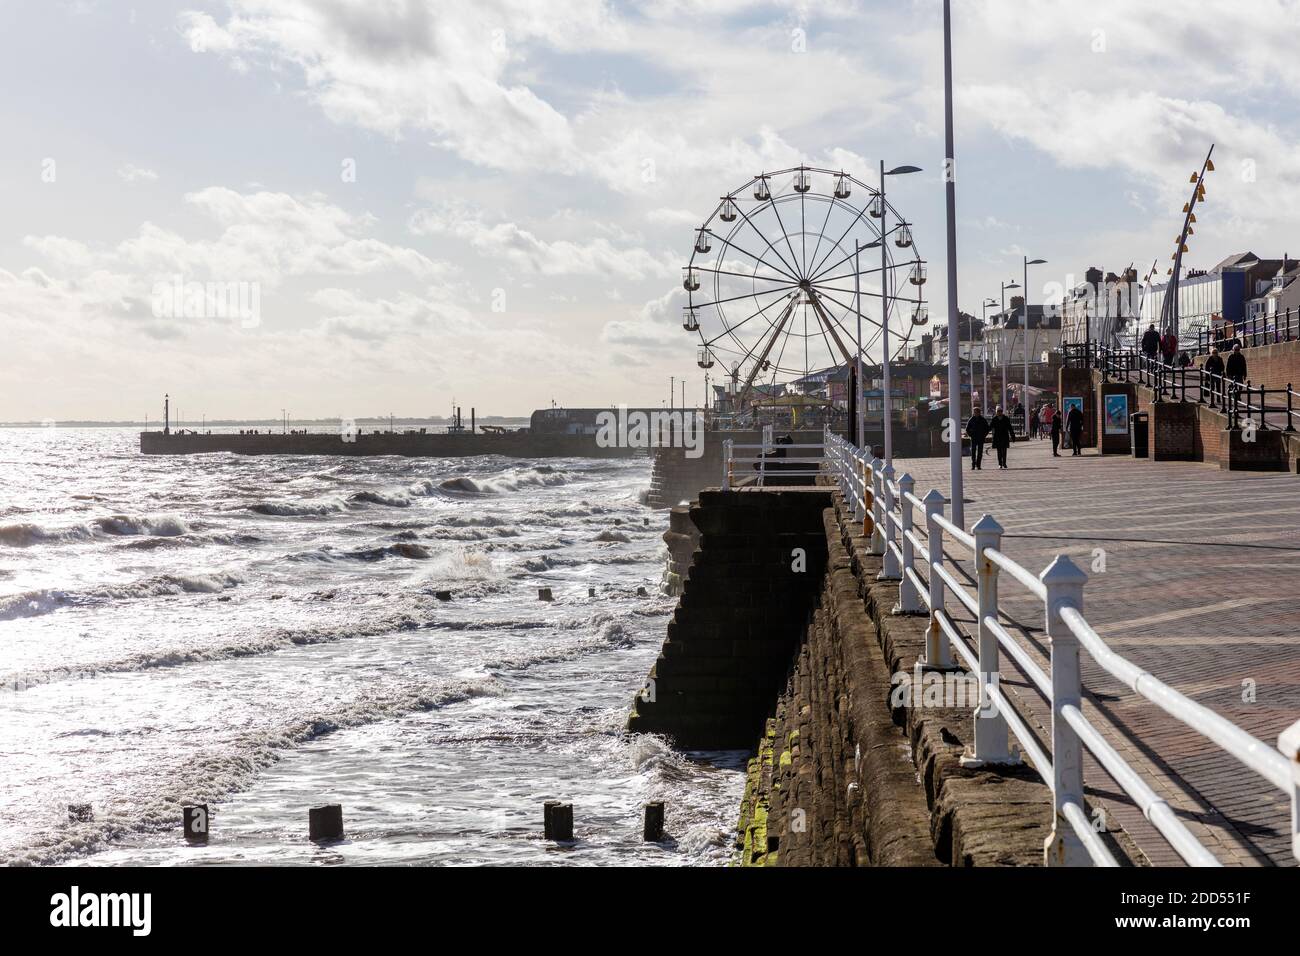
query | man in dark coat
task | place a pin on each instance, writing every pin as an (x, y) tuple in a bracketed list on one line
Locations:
[(1151, 342), (1236, 367), (977, 429), (1212, 373), (1000, 429), (1056, 432), (1074, 424)]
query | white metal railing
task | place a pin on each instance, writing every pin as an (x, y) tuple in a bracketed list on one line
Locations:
[(887, 510), (772, 464)]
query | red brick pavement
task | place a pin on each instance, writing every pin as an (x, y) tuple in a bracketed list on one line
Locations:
[(1198, 588)]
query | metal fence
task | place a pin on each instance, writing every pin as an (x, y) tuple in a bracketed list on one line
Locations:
[(913, 554), (1251, 333), (1243, 402), (772, 466)]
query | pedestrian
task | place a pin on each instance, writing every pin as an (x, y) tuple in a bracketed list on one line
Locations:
[(1000, 429), (1055, 424), (977, 428), (1033, 424), (1184, 360), (1151, 343), (1169, 346), (1074, 424), (1212, 374), (1236, 367)]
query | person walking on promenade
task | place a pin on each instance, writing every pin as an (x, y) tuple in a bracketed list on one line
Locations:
[(1213, 371), (1074, 423), (1000, 428), (1236, 367), (1054, 423), (1151, 343), (1169, 346), (1034, 428), (977, 428)]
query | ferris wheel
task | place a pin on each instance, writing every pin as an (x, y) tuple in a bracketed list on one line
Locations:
[(774, 286)]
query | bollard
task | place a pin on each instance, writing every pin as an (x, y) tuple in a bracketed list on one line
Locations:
[(561, 826), (80, 813), (195, 822), (325, 823), (544, 594), (442, 595), (548, 827), (653, 831)]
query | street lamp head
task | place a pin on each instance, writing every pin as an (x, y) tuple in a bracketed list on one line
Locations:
[(1036, 262), (871, 245), (900, 170), (1013, 285)]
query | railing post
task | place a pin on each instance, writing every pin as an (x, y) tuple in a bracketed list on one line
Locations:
[(991, 739), (890, 571), (1064, 583), (726, 464), (1289, 744), (909, 602), (938, 653), (877, 508), (1289, 426)]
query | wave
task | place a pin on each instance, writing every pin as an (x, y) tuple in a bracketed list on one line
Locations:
[(508, 481), (289, 509), (24, 534), (376, 498), (32, 603), (161, 584)]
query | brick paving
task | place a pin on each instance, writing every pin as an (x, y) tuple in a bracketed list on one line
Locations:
[(1198, 588)]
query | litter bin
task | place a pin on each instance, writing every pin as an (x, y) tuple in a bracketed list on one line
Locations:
[(1139, 424)]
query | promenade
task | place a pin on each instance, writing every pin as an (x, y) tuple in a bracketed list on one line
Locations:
[(1192, 575)]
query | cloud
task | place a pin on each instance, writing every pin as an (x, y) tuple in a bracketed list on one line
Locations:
[(511, 243), (130, 173)]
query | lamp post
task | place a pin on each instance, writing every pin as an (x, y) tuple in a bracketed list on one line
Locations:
[(884, 306), (1024, 397), (1002, 344), (984, 352), (950, 195), (859, 426)]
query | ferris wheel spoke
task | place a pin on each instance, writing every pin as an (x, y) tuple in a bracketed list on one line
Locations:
[(737, 298), (727, 242), (892, 264), (853, 222), (744, 275), (784, 233), (731, 330), (821, 233), (775, 251)]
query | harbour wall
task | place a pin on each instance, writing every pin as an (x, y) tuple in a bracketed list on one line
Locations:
[(803, 669), (409, 444)]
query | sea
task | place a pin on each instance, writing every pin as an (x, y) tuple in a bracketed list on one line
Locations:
[(265, 634)]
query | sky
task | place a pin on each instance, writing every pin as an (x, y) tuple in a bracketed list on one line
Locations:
[(490, 203)]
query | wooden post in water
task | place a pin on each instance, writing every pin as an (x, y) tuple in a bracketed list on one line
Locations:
[(544, 594), (325, 823), (560, 817), (195, 822), (653, 831)]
